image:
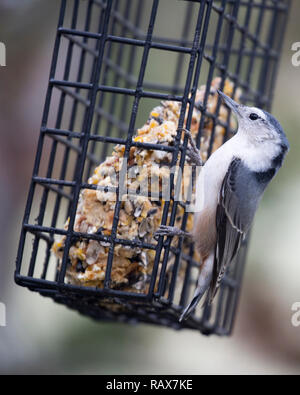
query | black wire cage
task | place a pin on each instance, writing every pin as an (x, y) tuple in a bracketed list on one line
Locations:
[(113, 62)]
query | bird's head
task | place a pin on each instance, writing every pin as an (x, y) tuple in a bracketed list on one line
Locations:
[(258, 125)]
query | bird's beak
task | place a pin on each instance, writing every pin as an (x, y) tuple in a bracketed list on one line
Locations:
[(230, 103)]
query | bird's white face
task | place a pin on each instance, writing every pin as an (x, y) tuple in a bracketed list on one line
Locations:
[(256, 125), (253, 122)]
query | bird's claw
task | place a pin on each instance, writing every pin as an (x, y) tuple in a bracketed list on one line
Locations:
[(192, 151), (164, 230), (194, 156)]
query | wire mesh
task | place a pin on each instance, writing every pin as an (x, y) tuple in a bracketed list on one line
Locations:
[(113, 61)]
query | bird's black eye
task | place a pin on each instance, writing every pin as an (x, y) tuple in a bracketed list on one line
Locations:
[(253, 116)]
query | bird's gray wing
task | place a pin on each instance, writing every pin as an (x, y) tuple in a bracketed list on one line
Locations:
[(238, 200)]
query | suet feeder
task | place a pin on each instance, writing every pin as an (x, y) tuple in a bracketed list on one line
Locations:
[(114, 63)]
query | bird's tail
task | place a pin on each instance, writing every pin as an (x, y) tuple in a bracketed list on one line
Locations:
[(191, 307), (203, 284)]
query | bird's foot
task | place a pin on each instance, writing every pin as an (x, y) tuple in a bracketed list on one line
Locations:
[(193, 152), (171, 231)]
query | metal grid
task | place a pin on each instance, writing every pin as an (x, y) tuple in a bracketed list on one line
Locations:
[(100, 90)]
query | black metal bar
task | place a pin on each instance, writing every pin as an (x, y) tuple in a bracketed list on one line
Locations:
[(116, 80), (99, 113), (44, 199), (226, 56), (135, 106), (188, 125), (185, 101), (86, 130), (41, 140)]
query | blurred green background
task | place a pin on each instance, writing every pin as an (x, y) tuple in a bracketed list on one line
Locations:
[(42, 337)]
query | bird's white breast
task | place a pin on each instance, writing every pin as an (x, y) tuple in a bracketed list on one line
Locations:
[(211, 177)]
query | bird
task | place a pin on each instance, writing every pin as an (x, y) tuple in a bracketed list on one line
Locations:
[(229, 189)]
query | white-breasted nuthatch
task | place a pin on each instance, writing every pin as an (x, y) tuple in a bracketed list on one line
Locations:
[(229, 189)]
